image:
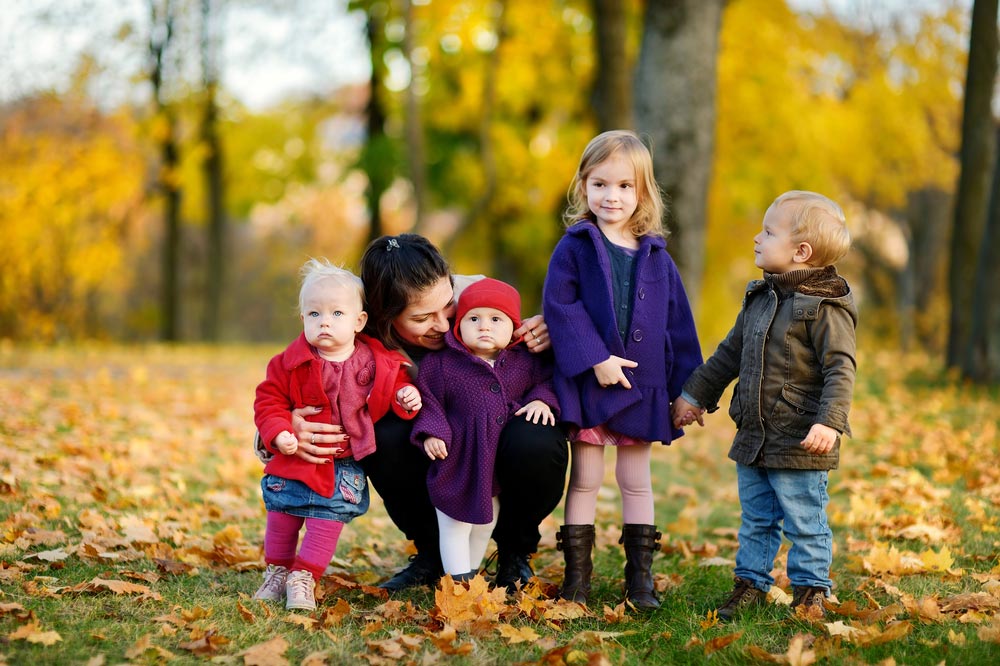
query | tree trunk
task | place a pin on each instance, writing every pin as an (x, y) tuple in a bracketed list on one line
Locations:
[(675, 107), (161, 32), (973, 182), (982, 360), (612, 93), (373, 154), (479, 209), (416, 155), (215, 214)]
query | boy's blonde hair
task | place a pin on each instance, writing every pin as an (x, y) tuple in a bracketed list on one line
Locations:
[(648, 216), (819, 221), (315, 270)]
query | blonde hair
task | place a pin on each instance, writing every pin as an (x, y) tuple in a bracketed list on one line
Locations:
[(819, 221), (649, 211), (315, 270)]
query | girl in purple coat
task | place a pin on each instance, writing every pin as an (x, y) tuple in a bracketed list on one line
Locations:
[(624, 342), (471, 388)]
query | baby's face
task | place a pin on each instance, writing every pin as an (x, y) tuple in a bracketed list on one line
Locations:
[(486, 331), (331, 316)]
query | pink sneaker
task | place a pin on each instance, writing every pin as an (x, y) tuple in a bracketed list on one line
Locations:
[(273, 587), (300, 591)]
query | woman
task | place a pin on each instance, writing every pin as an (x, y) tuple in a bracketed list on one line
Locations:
[(411, 297)]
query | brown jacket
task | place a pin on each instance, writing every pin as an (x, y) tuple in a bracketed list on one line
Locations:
[(793, 350)]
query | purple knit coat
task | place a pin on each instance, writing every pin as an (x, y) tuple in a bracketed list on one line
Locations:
[(467, 402), (579, 311)]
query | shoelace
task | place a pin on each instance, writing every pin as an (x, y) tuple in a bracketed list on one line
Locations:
[(492, 559), (300, 584), (274, 582)]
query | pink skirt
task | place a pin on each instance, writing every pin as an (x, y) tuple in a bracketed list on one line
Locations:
[(601, 436)]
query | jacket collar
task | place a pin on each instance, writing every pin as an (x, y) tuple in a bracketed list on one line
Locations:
[(588, 228)]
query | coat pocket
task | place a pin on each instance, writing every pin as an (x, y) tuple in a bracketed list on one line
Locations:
[(735, 408), (795, 411)]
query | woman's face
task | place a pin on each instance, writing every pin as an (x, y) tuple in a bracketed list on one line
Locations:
[(425, 320)]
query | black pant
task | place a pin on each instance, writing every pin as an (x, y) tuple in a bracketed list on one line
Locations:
[(531, 469)]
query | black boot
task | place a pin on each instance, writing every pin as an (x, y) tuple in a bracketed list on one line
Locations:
[(641, 542), (422, 570), (576, 542), (512, 568), (464, 577)]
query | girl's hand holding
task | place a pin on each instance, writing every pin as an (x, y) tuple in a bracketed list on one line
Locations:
[(286, 442), (537, 410), (535, 333), (312, 436), (610, 372), (820, 439), (684, 413), (409, 398), (435, 448)]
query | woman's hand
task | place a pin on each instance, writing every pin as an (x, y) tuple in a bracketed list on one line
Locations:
[(611, 371), (535, 333), (435, 448), (537, 410), (313, 435)]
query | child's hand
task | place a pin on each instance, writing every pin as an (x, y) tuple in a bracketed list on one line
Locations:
[(684, 413), (409, 398), (435, 448), (287, 443), (535, 410), (820, 439), (610, 372)]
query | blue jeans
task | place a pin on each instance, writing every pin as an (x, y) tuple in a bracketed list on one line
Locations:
[(792, 500)]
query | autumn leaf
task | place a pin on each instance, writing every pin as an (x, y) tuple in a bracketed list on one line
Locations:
[(334, 615), (462, 606), (32, 633), (205, 642), (517, 634), (270, 653), (719, 642)]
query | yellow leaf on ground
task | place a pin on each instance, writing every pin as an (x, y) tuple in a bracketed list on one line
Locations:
[(270, 653), (514, 634)]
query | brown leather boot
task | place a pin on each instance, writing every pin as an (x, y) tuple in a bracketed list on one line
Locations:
[(576, 542), (641, 542)]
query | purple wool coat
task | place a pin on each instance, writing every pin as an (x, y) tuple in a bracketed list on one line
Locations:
[(467, 402), (579, 310)]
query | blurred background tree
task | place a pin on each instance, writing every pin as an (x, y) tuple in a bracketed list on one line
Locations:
[(153, 195)]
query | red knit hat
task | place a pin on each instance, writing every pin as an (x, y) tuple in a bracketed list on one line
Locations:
[(489, 293)]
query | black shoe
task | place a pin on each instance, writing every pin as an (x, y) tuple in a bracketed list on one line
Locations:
[(513, 569), (421, 570)]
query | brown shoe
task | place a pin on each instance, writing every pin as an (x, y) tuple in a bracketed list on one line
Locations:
[(810, 599), (744, 594)]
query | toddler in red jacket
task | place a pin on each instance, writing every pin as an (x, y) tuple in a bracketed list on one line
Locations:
[(356, 381)]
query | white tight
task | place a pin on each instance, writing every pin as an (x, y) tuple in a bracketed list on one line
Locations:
[(631, 472), (464, 544)]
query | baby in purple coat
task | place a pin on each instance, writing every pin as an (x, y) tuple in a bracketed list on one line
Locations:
[(471, 388)]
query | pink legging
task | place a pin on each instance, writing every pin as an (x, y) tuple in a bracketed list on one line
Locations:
[(318, 545), (631, 472)]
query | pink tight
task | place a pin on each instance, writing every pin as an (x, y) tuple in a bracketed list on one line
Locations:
[(631, 472), (318, 545)]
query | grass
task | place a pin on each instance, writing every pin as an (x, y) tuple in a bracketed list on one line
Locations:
[(133, 465)]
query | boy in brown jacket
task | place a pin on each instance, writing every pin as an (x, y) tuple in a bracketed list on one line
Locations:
[(793, 351)]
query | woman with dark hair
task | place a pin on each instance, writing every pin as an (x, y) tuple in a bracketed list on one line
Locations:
[(410, 297)]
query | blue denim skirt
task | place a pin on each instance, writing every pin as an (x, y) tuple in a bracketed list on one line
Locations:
[(350, 495)]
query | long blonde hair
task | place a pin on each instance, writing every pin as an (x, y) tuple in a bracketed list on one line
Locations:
[(649, 211)]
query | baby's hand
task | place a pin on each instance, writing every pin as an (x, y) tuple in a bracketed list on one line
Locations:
[(611, 371), (820, 439), (435, 448), (409, 398), (535, 410), (684, 413), (287, 443)]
